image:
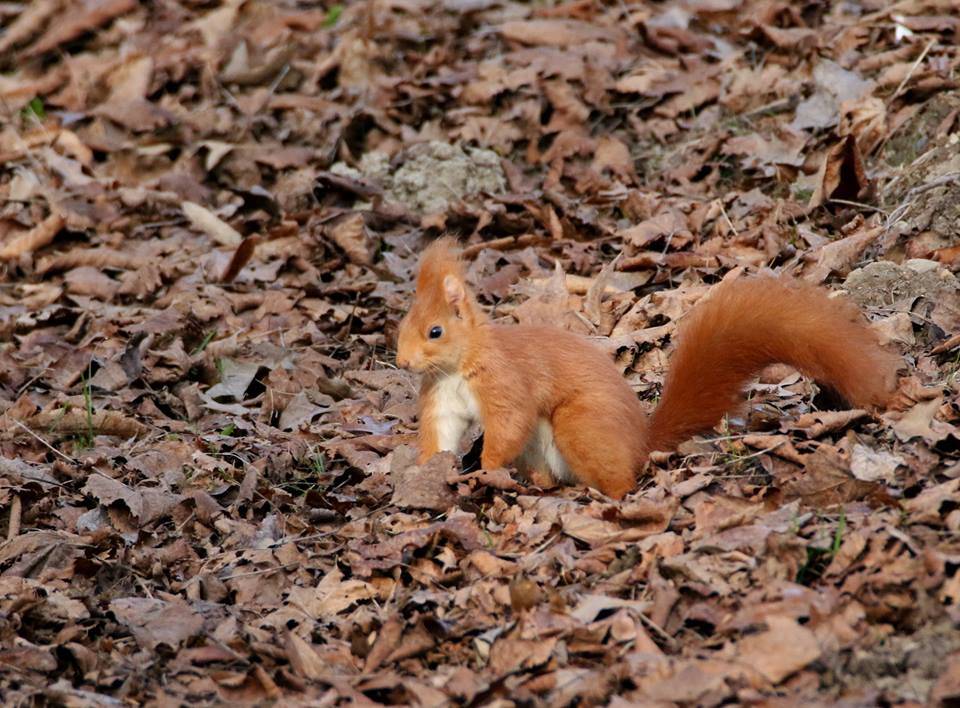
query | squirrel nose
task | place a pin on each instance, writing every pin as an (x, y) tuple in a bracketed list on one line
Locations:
[(403, 362)]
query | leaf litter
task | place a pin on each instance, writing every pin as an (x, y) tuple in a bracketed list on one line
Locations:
[(210, 222)]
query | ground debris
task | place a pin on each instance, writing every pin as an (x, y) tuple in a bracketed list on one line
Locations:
[(210, 219)]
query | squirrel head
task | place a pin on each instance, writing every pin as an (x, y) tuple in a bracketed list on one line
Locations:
[(436, 332)]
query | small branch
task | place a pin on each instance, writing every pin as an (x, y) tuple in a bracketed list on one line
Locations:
[(910, 73), (16, 509), (44, 442), (502, 244)]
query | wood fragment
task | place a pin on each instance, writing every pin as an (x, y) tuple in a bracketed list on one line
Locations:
[(241, 257), (16, 509), (946, 345), (505, 243)]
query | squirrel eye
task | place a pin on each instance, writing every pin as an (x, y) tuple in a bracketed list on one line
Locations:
[(435, 332)]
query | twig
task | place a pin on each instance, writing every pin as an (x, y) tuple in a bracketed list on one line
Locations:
[(913, 68), (660, 631), (505, 243), (44, 442), (946, 345), (859, 205), (783, 103), (263, 571), (16, 508), (897, 214), (723, 211)]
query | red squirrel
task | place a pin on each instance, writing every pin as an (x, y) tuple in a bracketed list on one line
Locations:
[(556, 405)]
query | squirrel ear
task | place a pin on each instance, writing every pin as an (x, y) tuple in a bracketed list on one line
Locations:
[(455, 292)]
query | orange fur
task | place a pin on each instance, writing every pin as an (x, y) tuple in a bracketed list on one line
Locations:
[(749, 324), (555, 404)]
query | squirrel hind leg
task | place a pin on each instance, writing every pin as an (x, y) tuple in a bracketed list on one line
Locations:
[(541, 461), (596, 452)]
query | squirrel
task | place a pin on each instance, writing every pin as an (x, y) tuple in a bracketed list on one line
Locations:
[(553, 403)]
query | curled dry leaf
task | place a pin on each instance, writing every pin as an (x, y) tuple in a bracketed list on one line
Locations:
[(79, 422), (350, 234), (87, 16), (34, 239), (209, 223), (559, 33), (240, 258), (817, 424), (842, 175), (93, 257), (27, 23)]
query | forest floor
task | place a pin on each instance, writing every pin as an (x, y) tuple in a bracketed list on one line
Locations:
[(211, 217)]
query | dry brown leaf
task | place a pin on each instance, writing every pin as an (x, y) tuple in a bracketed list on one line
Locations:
[(209, 223), (28, 23), (34, 239), (509, 655), (153, 622), (785, 648), (240, 258), (816, 424), (131, 81), (422, 486), (838, 256), (100, 258), (842, 174), (553, 33), (77, 422), (85, 16), (927, 507), (920, 422), (667, 224), (350, 234), (87, 280), (332, 595), (304, 660), (783, 148)]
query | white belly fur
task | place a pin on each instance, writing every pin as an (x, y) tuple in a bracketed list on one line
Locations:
[(456, 410), (541, 453)]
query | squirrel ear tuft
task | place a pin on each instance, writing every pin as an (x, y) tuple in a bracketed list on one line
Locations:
[(454, 291)]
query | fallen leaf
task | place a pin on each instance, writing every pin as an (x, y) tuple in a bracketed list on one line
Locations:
[(783, 649), (350, 234), (209, 223), (920, 422), (842, 175), (88, 15), (421, 487), (552, 33), (874, 465), (154, 622), (332, 595), (304, 659), (34, 239)]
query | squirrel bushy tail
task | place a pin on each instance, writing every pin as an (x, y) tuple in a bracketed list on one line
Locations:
[(748, 324)]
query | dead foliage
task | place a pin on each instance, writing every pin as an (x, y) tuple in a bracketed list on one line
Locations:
[(211, 213)]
